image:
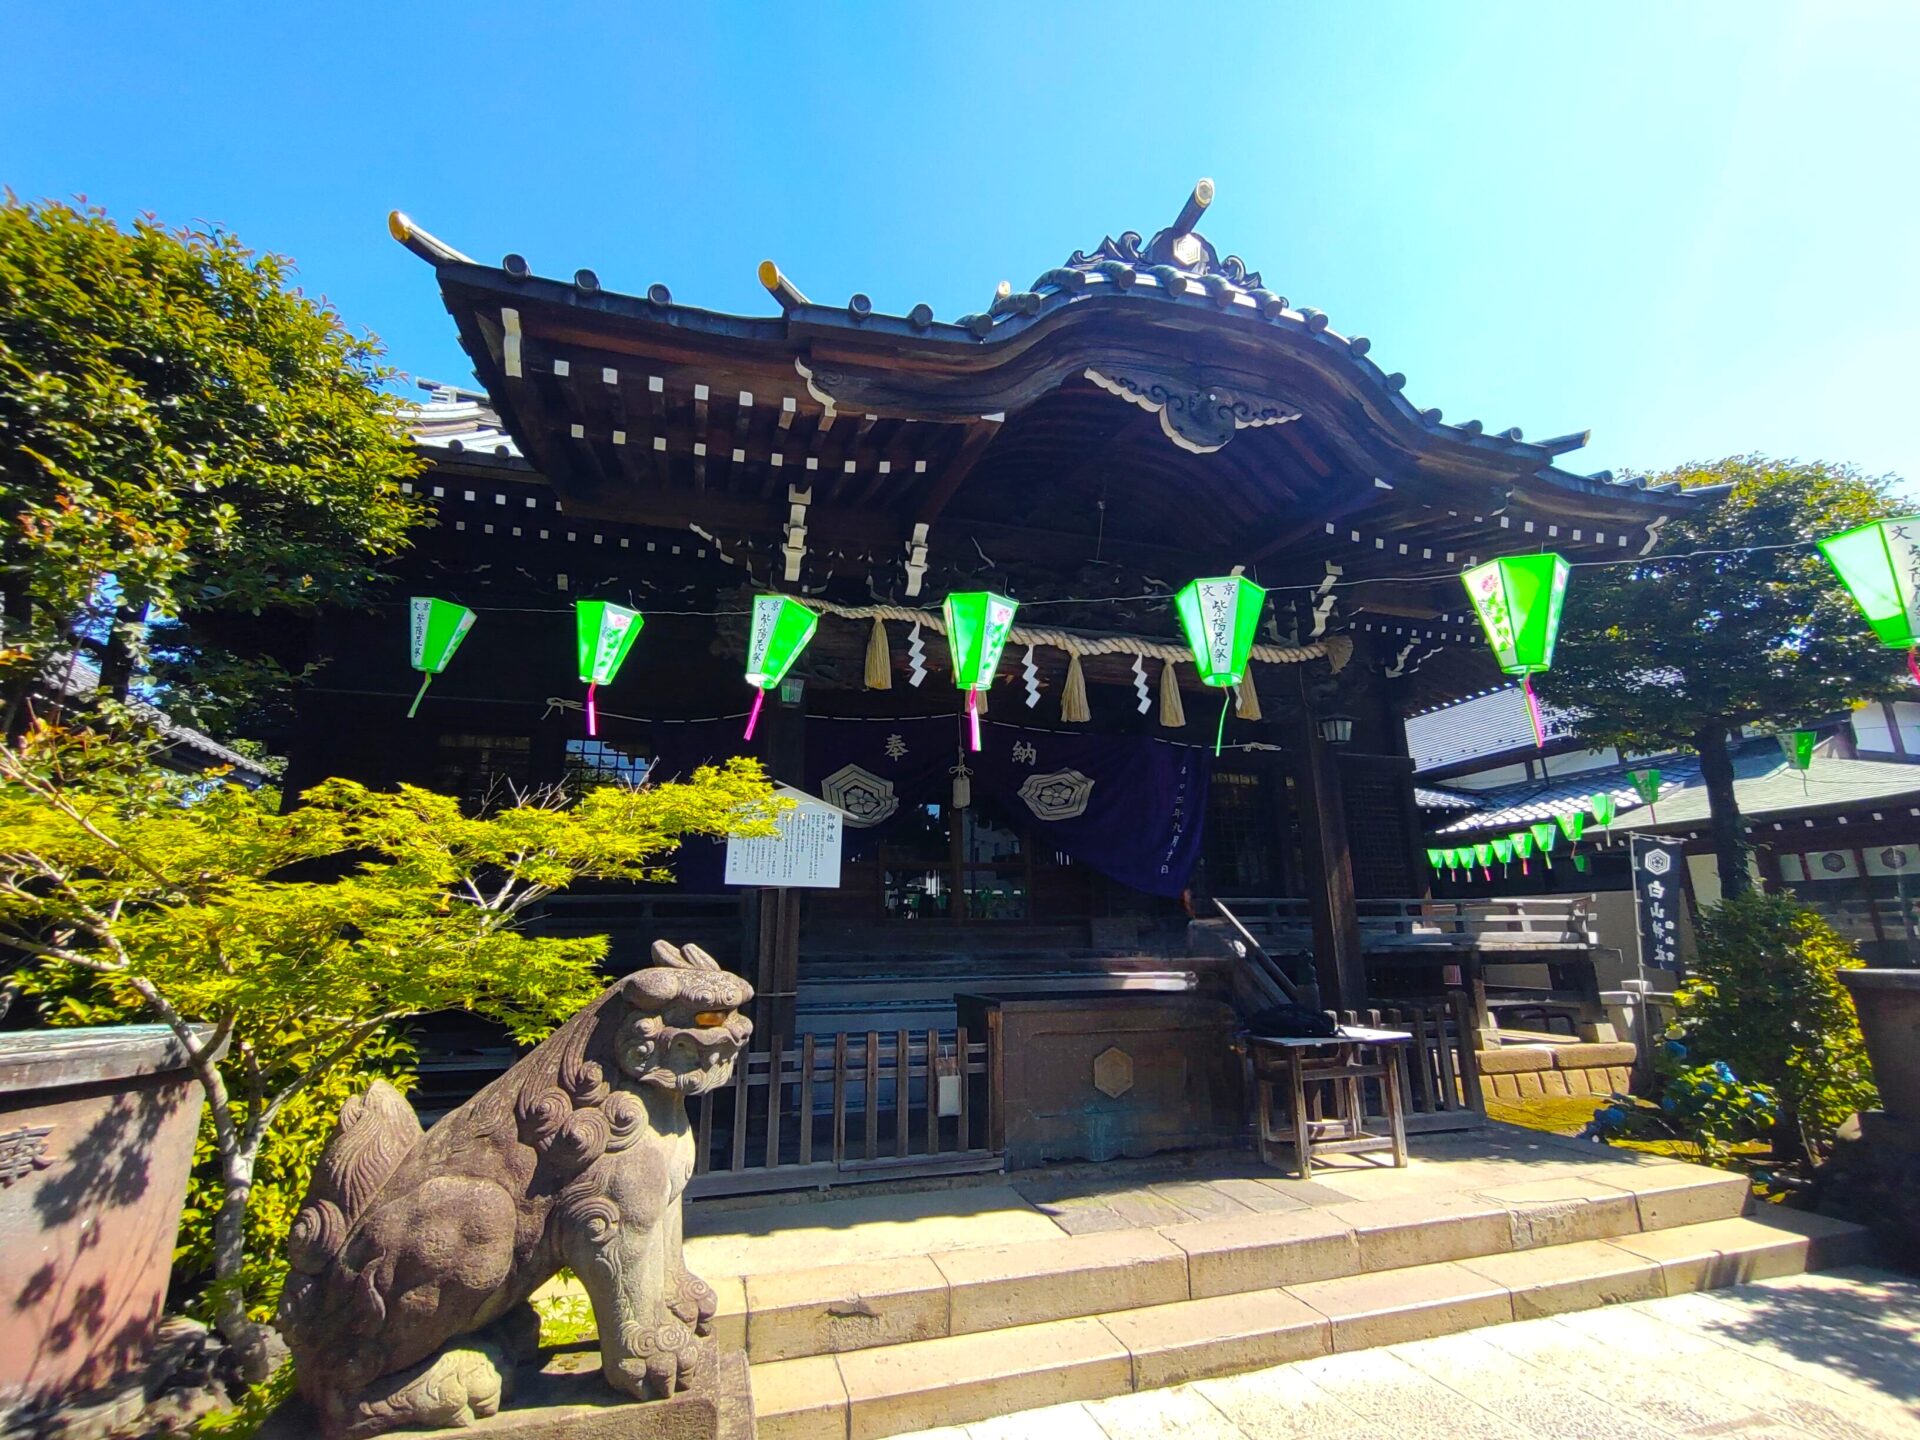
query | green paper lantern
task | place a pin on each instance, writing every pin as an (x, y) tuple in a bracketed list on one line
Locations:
[(604, 632), (1518, 599), (1503, 852), (1523, 847), (1880, 566), (1462, 858), (1545, 832), (1483, 852), (978, 624), (1600, 805), (1798, 748), (435, 630), (1220, 617), (1572, 824), (1646, 784), (778, 631)]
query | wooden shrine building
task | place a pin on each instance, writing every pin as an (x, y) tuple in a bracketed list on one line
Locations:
[(1144, 413)]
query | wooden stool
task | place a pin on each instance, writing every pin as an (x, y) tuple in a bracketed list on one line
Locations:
[(1294, 1064)]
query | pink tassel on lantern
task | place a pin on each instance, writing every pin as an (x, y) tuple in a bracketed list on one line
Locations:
[(753, 717), (1533, 711), (593, 715), (973, 715), (1913, 669)]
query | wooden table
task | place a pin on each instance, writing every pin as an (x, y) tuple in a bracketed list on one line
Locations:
[(1310, 1072)]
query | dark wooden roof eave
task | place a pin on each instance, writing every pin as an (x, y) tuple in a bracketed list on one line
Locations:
[(1026, 355)]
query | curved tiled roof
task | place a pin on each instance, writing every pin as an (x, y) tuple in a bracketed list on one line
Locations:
[(1175, 277)]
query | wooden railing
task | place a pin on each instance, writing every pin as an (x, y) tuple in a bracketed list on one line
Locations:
[(1487, 924), (1439, 1071), (1260, 978), (833, 1109), (1282, 925)]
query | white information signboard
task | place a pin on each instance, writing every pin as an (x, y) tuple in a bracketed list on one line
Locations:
[(805, 855)]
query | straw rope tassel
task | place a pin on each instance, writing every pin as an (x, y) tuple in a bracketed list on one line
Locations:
[(1247, 706), (879, 657), (1172, 713), (1073, 695)]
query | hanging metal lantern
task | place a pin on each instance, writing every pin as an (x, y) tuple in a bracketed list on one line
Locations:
[(779, 630), (1221, 616), (1880, 566), (1436, 859), (978, 623), (1483, 852), (604, 632), (1503, 852), (1518, 598), (434, 631)]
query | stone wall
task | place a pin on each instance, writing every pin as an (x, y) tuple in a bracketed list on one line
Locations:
[(1529, 1072)]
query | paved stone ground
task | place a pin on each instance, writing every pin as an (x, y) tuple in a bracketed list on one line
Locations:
[(746, 1237), (1812, 1357)]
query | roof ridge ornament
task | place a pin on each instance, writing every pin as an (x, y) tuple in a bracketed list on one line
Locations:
[(1180, 246)]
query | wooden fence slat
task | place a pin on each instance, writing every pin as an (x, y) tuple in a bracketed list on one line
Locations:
[(1423, 1058), (933, 1092), (902, 1097), (806, 1101), (741, 1093), (840, 1098), (775, 1058), (1462, 1008), (963, 1131), (873, 1093)]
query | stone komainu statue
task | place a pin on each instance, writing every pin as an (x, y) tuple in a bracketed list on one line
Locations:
[(416, 1252)]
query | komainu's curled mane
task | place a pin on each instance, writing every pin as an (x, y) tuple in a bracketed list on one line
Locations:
[(415, 1253)]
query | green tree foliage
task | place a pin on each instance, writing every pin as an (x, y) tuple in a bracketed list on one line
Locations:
[(1683, 647), (174, 416), (300, 939), (1765, 998)]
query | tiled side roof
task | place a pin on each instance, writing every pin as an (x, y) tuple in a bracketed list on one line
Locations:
[(460, 422), (77, 678), (1482, 727), (1762, 782)]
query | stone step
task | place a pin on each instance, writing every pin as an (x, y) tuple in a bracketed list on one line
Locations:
[(896, 1388), (835, 1309)]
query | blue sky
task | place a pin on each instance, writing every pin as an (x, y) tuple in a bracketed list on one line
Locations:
[(1692, 228)]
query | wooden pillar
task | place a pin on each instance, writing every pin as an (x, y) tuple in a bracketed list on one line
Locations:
[(774, 914), (1339, 966)]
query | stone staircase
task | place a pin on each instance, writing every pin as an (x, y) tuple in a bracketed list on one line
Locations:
[(890, 1346)]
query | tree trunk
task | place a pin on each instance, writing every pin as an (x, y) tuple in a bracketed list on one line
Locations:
[(248, 1337), (116, 668), (1723, 811)]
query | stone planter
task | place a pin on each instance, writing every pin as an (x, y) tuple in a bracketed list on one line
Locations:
[(96, 1138), (1889, 1006)]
